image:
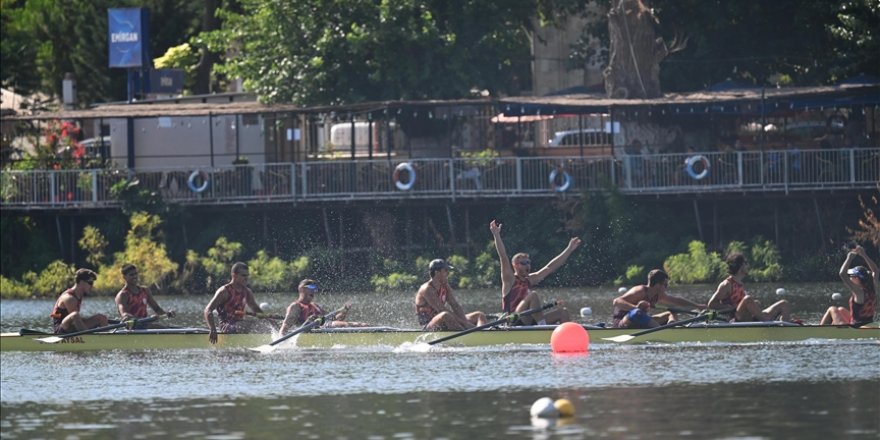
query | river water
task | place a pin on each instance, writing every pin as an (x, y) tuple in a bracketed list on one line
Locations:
[(810, 389)]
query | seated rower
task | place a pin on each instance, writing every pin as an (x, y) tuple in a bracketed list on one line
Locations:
[(731, 298), (305, 308), (632, 309), (517, 281), (66, 316), (862, 284), (436, 306), (133, 299), (230, 301)]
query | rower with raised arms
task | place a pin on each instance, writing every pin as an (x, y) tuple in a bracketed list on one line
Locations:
[(230, 301), (436, 306), (632, 309), (305, 309), (862, 284), (133, 299), (731, 298), (66, 316), (517, 281)]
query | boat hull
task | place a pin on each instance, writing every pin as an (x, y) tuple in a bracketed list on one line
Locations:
[(177, 339)]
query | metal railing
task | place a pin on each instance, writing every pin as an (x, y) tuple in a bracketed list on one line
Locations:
[(747, 171)]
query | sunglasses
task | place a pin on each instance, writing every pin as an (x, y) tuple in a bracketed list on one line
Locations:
[(524, 262), (312, 287), (131, 273)]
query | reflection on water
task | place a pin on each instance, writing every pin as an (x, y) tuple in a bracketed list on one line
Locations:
[(809, 389)]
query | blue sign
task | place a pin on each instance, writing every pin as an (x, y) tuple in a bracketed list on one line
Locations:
[(128, 35)]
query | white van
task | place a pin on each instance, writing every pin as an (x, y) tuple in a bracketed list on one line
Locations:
[(587, 137)]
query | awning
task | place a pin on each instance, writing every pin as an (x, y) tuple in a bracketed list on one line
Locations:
[(501, 119)]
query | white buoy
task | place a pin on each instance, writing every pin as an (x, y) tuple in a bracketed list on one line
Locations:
[(264, 306), (622, 290), (780, 291), (836, 296), (544, 408), (586, 311)]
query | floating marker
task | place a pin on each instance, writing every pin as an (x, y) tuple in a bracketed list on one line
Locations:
[(264, 306), (780, 291), (586, 311), (570, 337), (565, 407), (544, 408), (836, 296), (622, 290)]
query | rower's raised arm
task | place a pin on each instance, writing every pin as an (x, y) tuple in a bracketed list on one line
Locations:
[(557, 261), (506, 267)]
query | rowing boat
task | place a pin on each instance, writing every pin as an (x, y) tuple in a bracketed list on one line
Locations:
[(197, 338)]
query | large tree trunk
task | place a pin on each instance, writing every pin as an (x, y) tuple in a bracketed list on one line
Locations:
[(206, 59), (634, 65)]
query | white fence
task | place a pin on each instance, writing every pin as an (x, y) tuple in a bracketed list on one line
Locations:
[(748, 171)]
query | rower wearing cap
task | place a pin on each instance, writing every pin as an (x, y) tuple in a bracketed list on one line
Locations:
[(436, 306), (305, 308), (862, 283), (230, 301), (517, 281)]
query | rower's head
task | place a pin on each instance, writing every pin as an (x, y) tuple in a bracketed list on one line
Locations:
[(129, 273), (240, 273), (85, 279), (522, 264), (861, 276), (307, 289), (658, 277), (439, 266), (736, 262)]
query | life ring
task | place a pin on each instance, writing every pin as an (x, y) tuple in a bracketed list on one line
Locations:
[(566, 181), (692, 161), (191, 182), (404, 166)]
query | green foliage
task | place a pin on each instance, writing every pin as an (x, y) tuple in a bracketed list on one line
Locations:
[(219, 259), (145, 248), (634, 274), (136, 198), (26, 246), (274, 274), (312, 51), (10, 288), (94, 243), (763, 258), (54, 279), (695, 266), (182, 57), (394, 282)]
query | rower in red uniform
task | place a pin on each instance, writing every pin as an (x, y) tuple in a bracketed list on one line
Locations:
[(517, 281), (731, 298), (862, 284), (630, 313), (133, 299), (66, 316), (230, 302), (305, 308), (437, 309)]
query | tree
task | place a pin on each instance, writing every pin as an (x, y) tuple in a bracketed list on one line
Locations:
[(315, 52)]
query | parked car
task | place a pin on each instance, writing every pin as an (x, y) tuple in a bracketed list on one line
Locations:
[(587, 137)]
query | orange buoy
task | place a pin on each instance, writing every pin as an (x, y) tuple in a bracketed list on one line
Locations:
[(570, 337)]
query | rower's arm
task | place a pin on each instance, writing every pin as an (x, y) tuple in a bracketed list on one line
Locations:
[(556, 262), (430, 296), (506, 266), (722, 292), (681, 302), (871, 264), (155, 305), (844, 268), (458, 311), (629, 300), (122, 305), (292, 316), (219, 298)]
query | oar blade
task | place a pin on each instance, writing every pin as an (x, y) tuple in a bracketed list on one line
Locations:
[(619, 338), (266, 348), (50, 340)]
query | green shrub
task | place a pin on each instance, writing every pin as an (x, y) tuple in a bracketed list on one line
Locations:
[(93, 243), (10, 288), (145, 248), (218, 260), (394, 281), (696, 266), (763, 258), (634, 274), (54, 279), (274, 274)]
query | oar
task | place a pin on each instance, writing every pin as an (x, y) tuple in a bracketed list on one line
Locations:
[(624, 338), (59, 338), (509, 318), (270, 347), (265, 315)]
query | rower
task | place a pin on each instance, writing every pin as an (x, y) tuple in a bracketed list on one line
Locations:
[(305, 309), (133, 299), (632, 309), (436, 306), (731, 298), (862, 284), (66, 316), (230, 301), (517, 281)]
